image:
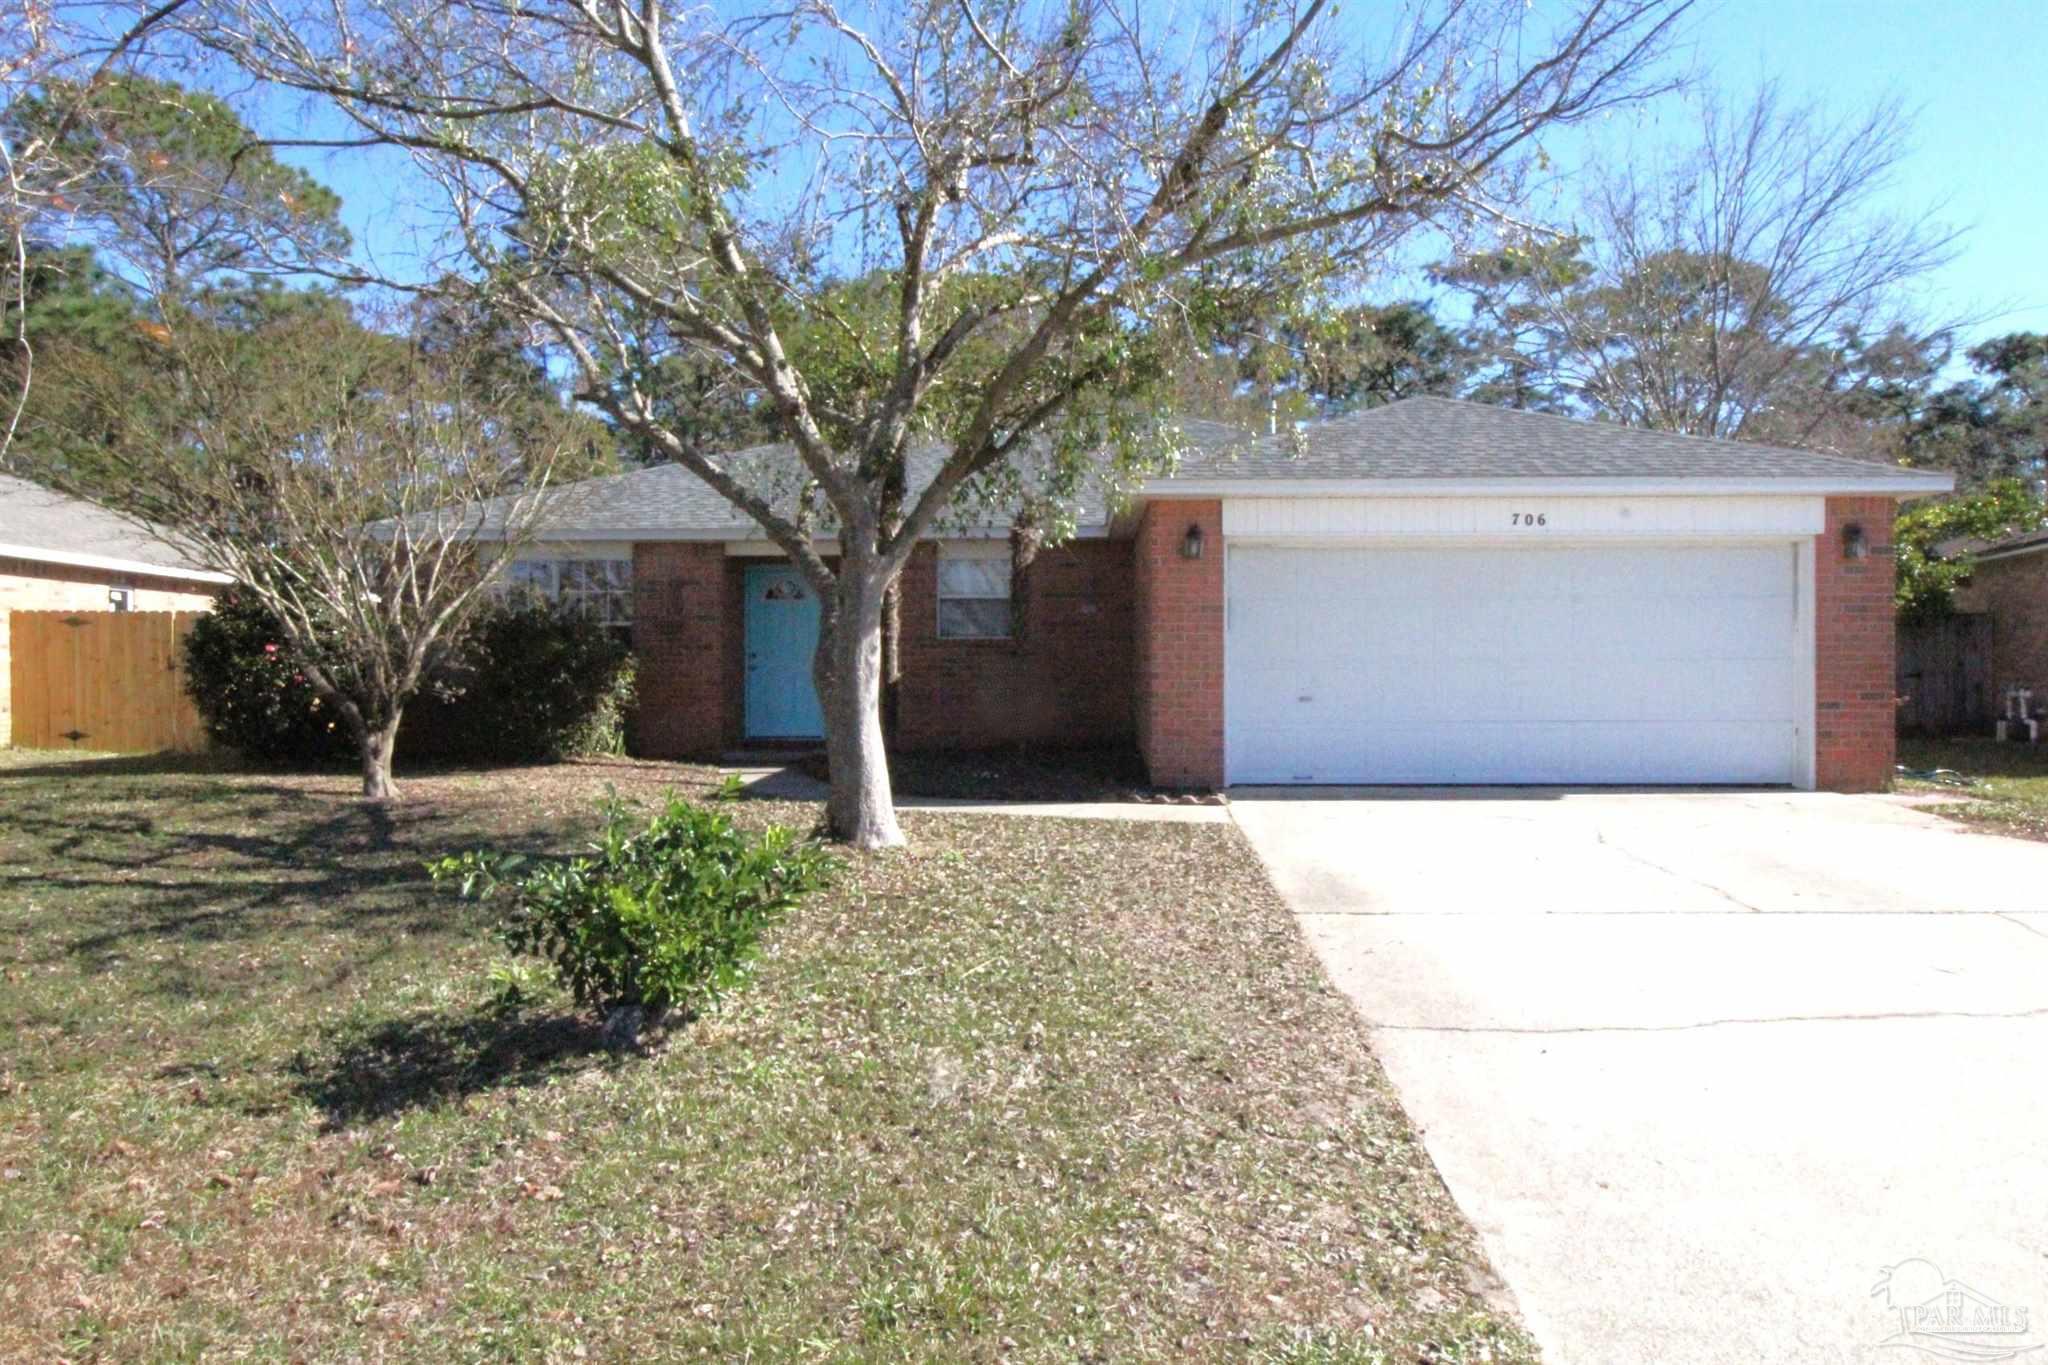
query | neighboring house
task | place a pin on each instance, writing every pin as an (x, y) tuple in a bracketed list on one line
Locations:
[(2009, 583), (62, 554), (1428, 592)]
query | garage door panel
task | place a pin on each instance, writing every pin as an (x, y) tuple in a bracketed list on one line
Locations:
[(1633, 664)]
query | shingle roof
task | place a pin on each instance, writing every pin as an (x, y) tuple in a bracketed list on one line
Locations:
[(1422, 438), (37, 523), (1447, 438), (668, 499)]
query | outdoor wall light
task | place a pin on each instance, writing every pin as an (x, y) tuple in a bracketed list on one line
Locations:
[(1191, 543), (1854, 545)]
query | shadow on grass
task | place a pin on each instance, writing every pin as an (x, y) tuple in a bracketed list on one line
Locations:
[(433, 1060), (35, 763), (162, 868)]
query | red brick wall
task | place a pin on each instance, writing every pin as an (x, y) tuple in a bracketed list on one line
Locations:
[(1855, 714), (686, 636), (1066, 680), (2015, 593), (1179, 611)]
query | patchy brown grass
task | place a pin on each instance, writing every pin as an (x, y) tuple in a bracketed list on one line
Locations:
[(2006, 784), (1031, 1090)]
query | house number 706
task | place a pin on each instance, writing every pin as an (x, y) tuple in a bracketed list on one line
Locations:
[(1528, 519)]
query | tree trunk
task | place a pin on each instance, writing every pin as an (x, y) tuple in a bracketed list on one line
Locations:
[(848, 670), (376, 744)]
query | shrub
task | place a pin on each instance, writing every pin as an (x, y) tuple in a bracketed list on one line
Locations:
[(526, 683), (251, 695), (1926, 584), (666, 917), (530, 684)]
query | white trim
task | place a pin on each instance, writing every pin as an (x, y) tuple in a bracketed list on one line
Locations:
[(1904, 483), (110, 564), (764, 549), (1532, 519), (1805, 665)]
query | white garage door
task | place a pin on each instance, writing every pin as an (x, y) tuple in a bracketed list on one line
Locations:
[(1639, 664)]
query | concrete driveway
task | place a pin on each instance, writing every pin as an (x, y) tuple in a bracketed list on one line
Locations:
[(1701, 1066)]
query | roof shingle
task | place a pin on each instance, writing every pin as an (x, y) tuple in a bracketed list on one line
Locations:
[(1447, 438), (35, 519)]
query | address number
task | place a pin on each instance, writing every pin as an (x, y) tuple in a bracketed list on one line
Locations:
[(1528, 519)]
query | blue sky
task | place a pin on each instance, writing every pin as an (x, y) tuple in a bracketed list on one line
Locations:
[(1973, 72)]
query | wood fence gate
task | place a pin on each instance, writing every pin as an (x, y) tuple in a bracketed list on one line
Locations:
[(102, 681), (1944, 679)]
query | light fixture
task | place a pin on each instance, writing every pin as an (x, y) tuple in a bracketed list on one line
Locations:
[(1191, 543), (1854, 545)]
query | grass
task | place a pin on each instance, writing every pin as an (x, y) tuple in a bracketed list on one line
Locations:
[(2007, 787), (1031, 1091)]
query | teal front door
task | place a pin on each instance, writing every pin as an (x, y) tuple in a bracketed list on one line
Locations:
[(782, 635)]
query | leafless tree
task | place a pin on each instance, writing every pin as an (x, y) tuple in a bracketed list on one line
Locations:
[(1748, 283), (968, 224), (359, 486)]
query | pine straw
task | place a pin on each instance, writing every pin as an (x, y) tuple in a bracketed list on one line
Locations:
[(1031, 1090)]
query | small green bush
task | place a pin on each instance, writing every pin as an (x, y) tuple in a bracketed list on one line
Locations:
[(665, 917)]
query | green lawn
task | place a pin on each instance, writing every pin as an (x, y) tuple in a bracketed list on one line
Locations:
[(2007, 784), (1032, 1090)]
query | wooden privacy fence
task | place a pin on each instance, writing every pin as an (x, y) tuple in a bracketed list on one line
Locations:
[(1944, 680), (103, 681)]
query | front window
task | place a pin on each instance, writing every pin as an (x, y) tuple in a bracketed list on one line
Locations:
[(974, 595), (598, 589)]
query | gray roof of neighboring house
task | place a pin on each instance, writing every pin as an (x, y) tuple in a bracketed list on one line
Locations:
[(1448, 438), (2026, 543), (39, 524), (1417, 440)]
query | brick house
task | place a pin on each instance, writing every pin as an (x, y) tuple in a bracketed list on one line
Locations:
[(59, 553), (2009, 583), (1428, 592)]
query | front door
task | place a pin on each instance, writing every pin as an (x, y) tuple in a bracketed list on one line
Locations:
[(782, 635)]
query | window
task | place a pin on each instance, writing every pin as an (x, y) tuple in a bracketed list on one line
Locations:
[(974, 594), (601, 589)]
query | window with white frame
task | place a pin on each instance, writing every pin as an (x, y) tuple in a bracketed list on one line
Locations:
[(974, 592), (600, 589)]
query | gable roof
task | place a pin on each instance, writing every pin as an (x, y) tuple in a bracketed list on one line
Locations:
[(1424, 439), (1416, 445), (39, 524)]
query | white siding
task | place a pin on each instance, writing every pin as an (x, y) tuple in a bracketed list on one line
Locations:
[(1515, 519)]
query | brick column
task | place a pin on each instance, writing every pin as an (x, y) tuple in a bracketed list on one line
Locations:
[(682, 640), (1179, 621), (1856, 717)]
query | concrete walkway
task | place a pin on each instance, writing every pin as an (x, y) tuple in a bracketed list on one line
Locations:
[(1700, 1067), (788, 784)]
